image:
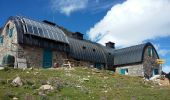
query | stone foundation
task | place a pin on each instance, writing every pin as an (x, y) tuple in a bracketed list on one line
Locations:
[(133, 70)]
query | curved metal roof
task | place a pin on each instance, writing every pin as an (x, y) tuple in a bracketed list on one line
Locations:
[(88, 51), (41, 29), (129, 55)]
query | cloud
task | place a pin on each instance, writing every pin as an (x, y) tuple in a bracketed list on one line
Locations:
[(163, 52), (68, 6), (133, 22), (166, 68)]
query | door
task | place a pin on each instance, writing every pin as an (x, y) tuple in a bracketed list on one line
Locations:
[(47, 58), (155, 72)]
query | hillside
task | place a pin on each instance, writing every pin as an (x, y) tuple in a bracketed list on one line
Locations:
[(78, 84)]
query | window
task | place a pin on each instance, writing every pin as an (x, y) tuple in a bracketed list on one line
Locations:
[(10, 31), (149, 51), (124, 71), (94, 50), (1, 39), (84, 47), (153, 52)]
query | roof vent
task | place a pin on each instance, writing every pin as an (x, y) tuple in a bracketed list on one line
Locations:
[(48, 22), (78, 35), (110, 45)]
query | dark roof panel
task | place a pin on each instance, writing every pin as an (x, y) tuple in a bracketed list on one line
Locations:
[(84, 50), (129, 55)]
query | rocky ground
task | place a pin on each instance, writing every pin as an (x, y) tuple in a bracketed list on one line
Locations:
[(77, 84)]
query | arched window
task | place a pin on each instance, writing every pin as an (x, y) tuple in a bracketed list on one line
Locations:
[(9, 31), (150, 51), (1, 39)]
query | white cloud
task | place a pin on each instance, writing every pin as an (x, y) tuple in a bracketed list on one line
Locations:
[(68, 6), (166, 69), (163, 52), (133, 22)]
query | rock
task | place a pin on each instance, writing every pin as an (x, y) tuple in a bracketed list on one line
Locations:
[(105, 77), (85, 79), (30, 68), (17, 81), (41, 93), (105, 91), (15, 98), (46, 88), (36, 73), (78, 86), (1, 68), (155, 77), (27, 72)]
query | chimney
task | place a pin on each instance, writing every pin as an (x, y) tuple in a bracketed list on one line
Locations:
[(110, 45), (49, 23), (77, 35)]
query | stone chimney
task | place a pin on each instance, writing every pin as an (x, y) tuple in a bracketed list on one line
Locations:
[(110, 45), (77, 35)]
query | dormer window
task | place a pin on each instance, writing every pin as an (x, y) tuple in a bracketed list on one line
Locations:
[(84, 47), (150, 52), (10, 32), (1, 39)]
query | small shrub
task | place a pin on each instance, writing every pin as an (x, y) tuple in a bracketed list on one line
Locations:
[(6, 68), (44, 97), (8, 95), (29, 82), (43, 82), (2, 82)]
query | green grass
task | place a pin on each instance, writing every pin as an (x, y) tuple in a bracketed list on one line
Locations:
[(69, 85)]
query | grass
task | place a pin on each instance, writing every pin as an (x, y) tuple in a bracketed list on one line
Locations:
[(79, 84)]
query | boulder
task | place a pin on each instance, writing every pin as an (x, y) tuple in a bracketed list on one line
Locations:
[(17, 81), (15, 98), (155, 77), (46, 87)]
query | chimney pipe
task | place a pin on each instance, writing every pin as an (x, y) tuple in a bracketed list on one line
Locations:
[(110, 45)]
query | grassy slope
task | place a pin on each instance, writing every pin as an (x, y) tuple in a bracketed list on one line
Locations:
[(71, 86)]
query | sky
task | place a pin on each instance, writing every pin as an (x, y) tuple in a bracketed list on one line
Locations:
[(125, 22)]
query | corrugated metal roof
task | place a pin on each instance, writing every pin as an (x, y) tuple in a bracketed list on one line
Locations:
[(88, 51), (129, 55), (42, 30)]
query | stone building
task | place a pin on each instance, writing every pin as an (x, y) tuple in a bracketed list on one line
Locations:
[(44, 44)]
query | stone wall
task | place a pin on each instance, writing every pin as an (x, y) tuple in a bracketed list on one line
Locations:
[(9, 45), (133, 70), (149, 63), (34, 56)]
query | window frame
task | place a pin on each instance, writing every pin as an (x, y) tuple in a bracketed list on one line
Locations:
[(1, 39), (10, 31)]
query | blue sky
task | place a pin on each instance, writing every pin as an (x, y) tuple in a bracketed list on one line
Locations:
[(125, 22)]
